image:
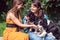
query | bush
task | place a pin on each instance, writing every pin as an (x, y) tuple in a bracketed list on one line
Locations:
[(2, 27)]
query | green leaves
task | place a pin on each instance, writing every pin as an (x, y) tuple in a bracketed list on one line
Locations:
[(2, 27)]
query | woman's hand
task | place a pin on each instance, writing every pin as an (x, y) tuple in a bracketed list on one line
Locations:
[(33, 26)]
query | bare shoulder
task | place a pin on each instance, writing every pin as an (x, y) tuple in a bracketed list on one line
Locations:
[(9, 13)]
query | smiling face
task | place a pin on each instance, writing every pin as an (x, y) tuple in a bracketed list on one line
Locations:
[(33, 8)]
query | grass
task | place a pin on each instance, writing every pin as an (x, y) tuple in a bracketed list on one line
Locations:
[(2, 27)]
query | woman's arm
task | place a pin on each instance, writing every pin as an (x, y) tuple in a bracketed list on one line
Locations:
[(20, 18), (17, 22)]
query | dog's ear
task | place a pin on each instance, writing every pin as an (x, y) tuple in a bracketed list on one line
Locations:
[(32, 30)]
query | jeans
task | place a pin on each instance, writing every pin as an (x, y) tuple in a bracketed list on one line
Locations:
[(34, 36)]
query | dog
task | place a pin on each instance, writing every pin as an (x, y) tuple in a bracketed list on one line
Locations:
[(39, 30)]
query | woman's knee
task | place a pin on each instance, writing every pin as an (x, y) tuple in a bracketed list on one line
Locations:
[(49, 38), (33, 36)]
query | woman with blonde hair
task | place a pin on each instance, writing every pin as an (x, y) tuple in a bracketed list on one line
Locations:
[(14, 23)]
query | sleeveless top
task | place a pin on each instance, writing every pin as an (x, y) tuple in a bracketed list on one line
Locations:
[(11, 24)]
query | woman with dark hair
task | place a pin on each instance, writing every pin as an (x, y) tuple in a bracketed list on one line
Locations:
[(33, 16), (14, 23)]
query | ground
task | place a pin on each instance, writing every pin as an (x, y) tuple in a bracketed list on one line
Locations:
[(0, 38)]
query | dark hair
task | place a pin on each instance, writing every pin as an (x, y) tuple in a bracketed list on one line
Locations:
[(36, 3)]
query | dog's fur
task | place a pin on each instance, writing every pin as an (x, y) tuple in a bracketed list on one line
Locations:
[(39, 30)]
